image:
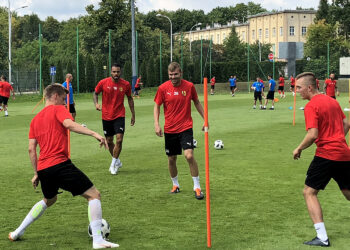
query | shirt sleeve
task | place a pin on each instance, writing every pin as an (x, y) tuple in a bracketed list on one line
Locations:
[(64, 84), (99, 87), (62, 114), (159, 97), (128, 90), (31, 131), (194, 93), (311, 117)]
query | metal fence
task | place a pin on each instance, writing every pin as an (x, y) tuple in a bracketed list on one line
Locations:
[(23, 81)]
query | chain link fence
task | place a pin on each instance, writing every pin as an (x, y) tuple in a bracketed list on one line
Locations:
[(24, 81)]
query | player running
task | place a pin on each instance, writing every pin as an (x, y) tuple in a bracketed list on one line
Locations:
[(5, 93), (292, 84), (326, 126), (281, 87), (113, 90), (54, 169), (176, 95), (212, 85), (330, 86)]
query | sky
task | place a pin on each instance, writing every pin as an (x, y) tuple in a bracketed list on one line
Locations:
[(65, 9)]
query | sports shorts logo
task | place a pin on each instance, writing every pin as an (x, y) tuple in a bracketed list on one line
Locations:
[(166, 150), (122, 129), (105, 132)]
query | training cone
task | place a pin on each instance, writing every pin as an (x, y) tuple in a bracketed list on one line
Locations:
[(276, 99)]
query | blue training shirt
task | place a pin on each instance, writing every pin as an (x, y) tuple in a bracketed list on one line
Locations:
[(273, 85), (232, 81), (71, 101), (258, 86)]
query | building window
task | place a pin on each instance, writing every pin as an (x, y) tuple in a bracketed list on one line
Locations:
[(281, 31), (291, 30), (218, 38), (260, 33), (274, 32), (292, 16), (266, 33), (224, 36), (243, 35), (303, 31), (253, 35)]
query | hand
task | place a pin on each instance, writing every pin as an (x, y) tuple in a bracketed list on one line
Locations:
[(158, 130), (338, 93), (103, 142), (203, 128), (98, 107), (132, 123), (35, 181), (296, 153)]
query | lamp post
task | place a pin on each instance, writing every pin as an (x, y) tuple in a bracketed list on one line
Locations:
[(171, 36), (10, 28), (198, 24)]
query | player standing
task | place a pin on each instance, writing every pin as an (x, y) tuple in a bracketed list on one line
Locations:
[(113, 90), (54, 169), (292, 84), (233, 85), (326, 126), (5, 93), (176, 95), (258, 88), (138, 87), (71, 100), (330, 86), (271, 93), (281, 87), (212, 85)]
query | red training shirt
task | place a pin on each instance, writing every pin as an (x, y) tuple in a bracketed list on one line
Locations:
[(281, 81), (177, 105), (48, 130), (325, 114), (5, 88), (318, 83), (137, 85), (330, 87), (113, 97), (212, 81), (292, 81)]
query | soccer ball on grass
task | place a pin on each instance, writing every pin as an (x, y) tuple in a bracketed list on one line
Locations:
[(218, 144), (194, 143), (105, 229)]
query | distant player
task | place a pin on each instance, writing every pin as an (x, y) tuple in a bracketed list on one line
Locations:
[(137, 88), (330, 86), (212, 85), (233, 85), (258, 88), (176, 95), (71, 100), (292, 84), (271, 93), (54, 169), (318, 84), (281, 87), (326, 126), (113, 90), (5, 93)]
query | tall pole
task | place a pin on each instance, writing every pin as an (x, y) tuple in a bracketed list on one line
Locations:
[(192, 37), (328, 59), (109, 51), (210, 57), (10, 23), (133, 44), (78, 59), (248, 73), (41, 70), (137, 54), (181, 51), (273, 64), (201, 59), (160, 58), (171, 36)]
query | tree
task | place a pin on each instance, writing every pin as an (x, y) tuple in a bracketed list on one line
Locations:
[(233, 47), (322, 12), (51, 29)]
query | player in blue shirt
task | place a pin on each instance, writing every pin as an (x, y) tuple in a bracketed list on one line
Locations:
[(71, 100), (233, 86), (258, 88), (271, 93)]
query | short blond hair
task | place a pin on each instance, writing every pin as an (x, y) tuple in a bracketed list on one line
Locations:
[(55, 88), (174, 66)]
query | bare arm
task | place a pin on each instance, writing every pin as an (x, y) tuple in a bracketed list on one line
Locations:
[(156, 112), (346, 126), (308, 140), (77, 128), (131, 106), (200, 110), (34, 160), (95, 98)]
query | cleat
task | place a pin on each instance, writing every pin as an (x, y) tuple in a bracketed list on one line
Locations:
[(271, 108), (254, 107), (262, 108), (198, 194), (317, 242), (113, 170), (104, 244), (174, 190), (13, 236)]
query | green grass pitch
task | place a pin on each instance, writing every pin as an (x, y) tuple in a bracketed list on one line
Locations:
[(256, 186)]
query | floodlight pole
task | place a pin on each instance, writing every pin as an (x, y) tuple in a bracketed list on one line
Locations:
[(198, 24), (171, 36)]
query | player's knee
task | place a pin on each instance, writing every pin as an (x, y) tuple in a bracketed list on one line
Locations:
[(188, 155), (307, 191)]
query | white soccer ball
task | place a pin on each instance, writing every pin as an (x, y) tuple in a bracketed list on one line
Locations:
[(194, 143), (105, 229), (218, 144)]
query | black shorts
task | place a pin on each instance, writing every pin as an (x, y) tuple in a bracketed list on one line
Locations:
[(116, 126), (212, 86), (232, 87), (257, 94), (292, 86), (270, 95), (137, 89), (331, 96), (281, 88), (3, 100), (322, 170), (65, 176), (72, 108), (175, 142)]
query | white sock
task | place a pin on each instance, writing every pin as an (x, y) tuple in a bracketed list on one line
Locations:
[(273, 107), (196, 183), (35, 213), (175, 181), (95, 218), (321, 231), (264, 107), (6, 113), (114, 160)]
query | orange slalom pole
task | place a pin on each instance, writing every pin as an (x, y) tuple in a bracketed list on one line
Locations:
[(349, 113), (206, 143), (42, 99), (294, 104), (68, 132)]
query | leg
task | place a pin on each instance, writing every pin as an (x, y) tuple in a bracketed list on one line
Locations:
[(313, 205), (118, 146), (346, 193), (74, 115), (191, 162), (111, 144), (172, 165)]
